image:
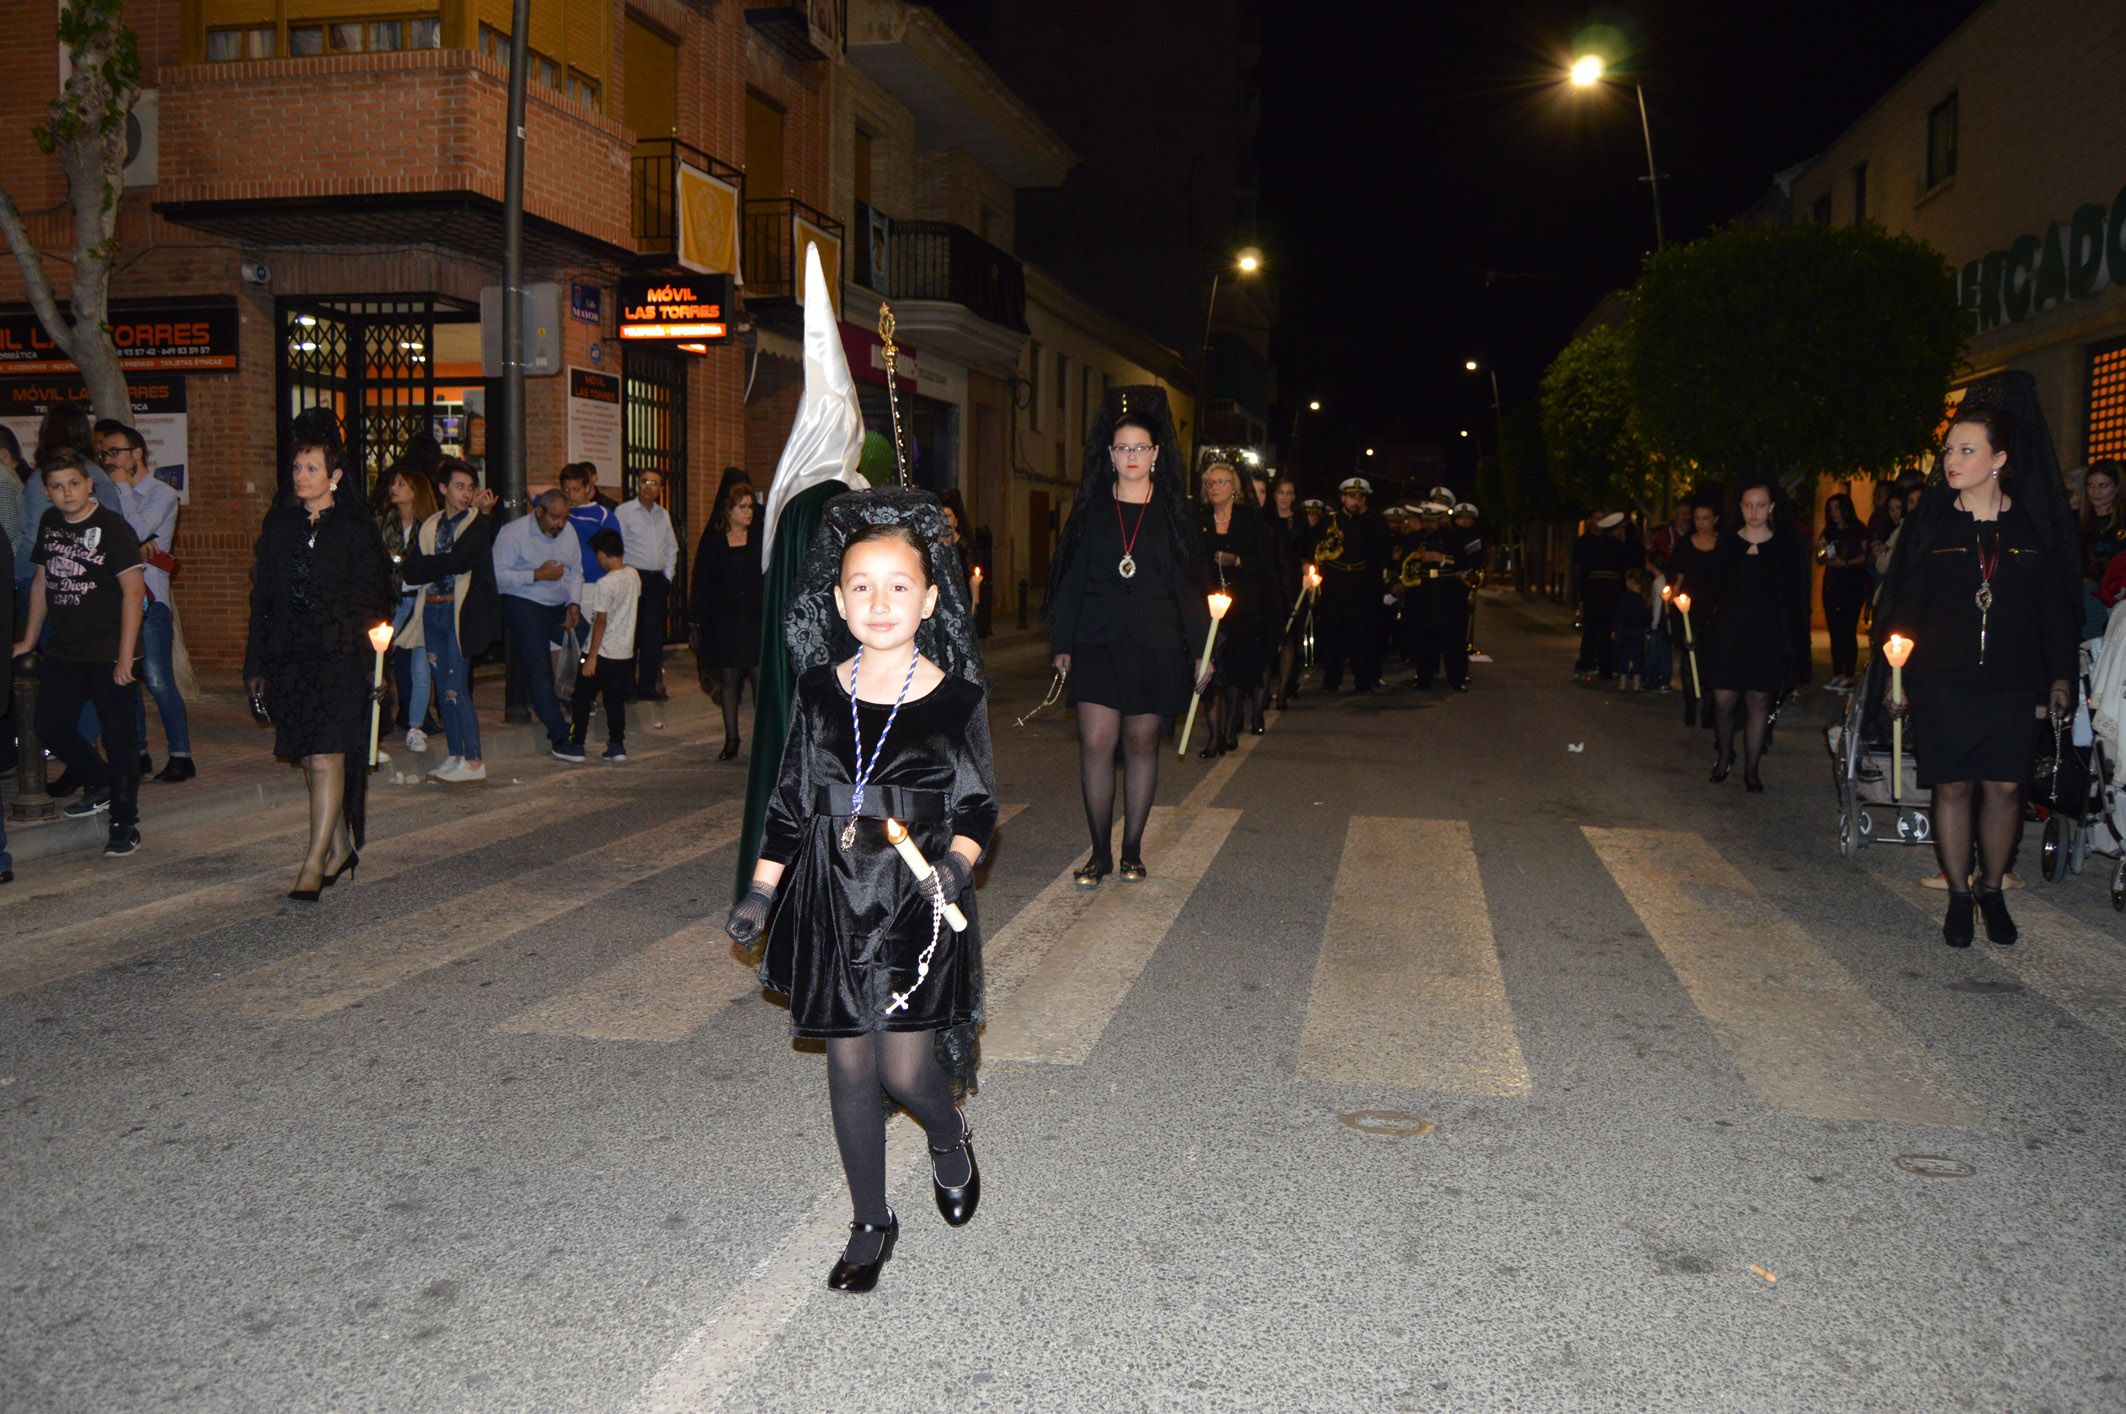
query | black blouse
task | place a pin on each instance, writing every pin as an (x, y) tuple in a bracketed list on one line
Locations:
[(1159, 608), (2030, 640), (316, 587)]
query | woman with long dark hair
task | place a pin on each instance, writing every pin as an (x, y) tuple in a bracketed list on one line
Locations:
[(1746, 645), (1237, 546), (1986, 584), (320, 580), (1289, 539), (403, 498), (727, 602), (1125, 604), (1843, 550)]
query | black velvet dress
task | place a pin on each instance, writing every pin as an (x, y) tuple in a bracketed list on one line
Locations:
[(1746, 643), (849, 924), (727, 600)]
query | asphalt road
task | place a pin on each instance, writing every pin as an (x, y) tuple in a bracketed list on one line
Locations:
[(1437, 1066)]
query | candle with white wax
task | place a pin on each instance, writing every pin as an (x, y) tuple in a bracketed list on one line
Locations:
[(897, 836), (379, 639), (1220, 602), (1690, 645), (1897, 649)]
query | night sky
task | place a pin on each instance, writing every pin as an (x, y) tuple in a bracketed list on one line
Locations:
[(1408, 149)]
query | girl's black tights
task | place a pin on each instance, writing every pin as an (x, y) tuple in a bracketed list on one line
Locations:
[(1758, 707), (2000, 818), (729, 681), (1100, 731), (904, 1065)]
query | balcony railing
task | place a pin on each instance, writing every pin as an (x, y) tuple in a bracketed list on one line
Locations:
[(772, 259), (655, 189), (935, 260)]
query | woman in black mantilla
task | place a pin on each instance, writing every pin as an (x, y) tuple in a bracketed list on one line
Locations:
[(1986, 584), (1125, 605), (1746, 642), (891, 720), (320, 580)]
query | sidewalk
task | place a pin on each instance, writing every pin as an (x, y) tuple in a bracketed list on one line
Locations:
[(238, 773)]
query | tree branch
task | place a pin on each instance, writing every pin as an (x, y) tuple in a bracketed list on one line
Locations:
[(39, 284)]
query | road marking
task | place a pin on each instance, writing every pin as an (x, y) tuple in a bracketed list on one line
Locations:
[(1076, 988), (1807, 1038), (358, 965), (665, 992), (1408, 990), (2080, 969)]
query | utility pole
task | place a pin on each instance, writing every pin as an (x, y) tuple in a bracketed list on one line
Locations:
[(511, 489)]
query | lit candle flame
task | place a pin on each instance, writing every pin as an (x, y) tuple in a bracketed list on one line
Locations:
[(1683, 602), (380, 637), (1220, 602), (1897, 649)]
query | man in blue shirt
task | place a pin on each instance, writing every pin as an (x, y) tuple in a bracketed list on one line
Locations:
[(579, 482), (539, 573)]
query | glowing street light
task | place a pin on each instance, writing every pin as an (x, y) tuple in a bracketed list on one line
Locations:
[(1587, 70), (1314, 405), (1470, 364)]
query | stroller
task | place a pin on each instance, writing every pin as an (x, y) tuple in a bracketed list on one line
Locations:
[(1868, 787), (2074, 794)]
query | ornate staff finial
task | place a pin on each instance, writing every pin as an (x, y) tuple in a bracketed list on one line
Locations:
[(893, 391)]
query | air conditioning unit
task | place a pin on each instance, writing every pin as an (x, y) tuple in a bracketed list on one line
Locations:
[(143, 142)]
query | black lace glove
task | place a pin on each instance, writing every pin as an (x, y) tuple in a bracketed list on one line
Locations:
[(749, 915), (2062, 702), (949, 877)]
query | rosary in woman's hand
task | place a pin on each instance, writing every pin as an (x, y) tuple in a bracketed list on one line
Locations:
[(2062, 703), (948, 877)]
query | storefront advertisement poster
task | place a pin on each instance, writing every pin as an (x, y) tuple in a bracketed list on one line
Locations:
[(159, 416), (594, 424)]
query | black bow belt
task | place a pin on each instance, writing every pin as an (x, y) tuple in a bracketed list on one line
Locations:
[(904, 803)]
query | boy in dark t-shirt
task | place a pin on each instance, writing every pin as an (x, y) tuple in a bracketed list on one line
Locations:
[(88, 588)]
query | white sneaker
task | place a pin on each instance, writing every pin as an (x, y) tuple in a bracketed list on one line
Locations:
[(416, 739), (445, 771), (469, 772)]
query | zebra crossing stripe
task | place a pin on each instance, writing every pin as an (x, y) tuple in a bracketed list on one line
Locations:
[(2079, 969), (354, 967), (1084, 971), (1408, 990), (1807, 1038)]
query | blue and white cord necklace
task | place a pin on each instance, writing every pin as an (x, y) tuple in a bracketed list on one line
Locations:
[(865, 768)]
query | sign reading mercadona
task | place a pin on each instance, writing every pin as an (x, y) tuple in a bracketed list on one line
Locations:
[(2075, 259), (675, 307)]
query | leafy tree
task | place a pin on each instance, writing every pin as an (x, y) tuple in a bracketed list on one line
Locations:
[(1590, 425), (86, 126), (1793, 351)]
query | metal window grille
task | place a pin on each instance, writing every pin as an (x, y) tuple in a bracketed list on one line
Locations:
[(2107, 402)]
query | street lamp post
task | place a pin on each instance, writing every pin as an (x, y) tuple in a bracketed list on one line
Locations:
[(1498, 404), (1291, 453), (1586, 72), (1247, 262)]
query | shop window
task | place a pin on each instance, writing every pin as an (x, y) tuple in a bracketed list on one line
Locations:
[(2107, 402), (1941, 142), (1860, 193), (226, 46)]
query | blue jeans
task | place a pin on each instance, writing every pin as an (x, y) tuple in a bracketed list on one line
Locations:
[(158, 636), (410, 668), (1657, 657), (532, 626), (461, 728)]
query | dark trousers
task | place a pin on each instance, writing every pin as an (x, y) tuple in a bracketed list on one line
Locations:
[(63, 689), (649, 632), (1841, 615), (609, 679), (1349, 633), (1598, 620), (1442, 631), (531, 627)]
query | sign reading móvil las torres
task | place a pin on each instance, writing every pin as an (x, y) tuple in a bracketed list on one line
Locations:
[(189, 336), (675, 308)]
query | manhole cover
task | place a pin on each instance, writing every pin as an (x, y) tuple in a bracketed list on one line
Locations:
[(1390, 1122), (1933, 1166)]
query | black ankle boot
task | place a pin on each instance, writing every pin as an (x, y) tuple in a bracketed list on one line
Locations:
[(2000, 928), (1956, 923), (862, 1276), (957, 1204)]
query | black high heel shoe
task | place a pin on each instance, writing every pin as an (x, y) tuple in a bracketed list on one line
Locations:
[(1211, 752), (730, 749), (354, 857), (1993, 905), (306, 895), (1956, 923), (1093, 870), (957, 1205), (862, 1276), (1720, 772), (1752, 784)]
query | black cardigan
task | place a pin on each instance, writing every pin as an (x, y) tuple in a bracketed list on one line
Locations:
[(2030, 637), (1160, 608), (350, 582)]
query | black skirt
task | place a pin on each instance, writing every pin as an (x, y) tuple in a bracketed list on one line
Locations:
[(1973, 733), (1129, 677), (320, 706)]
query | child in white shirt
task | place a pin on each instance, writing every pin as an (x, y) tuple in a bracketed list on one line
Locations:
[(609, 607)]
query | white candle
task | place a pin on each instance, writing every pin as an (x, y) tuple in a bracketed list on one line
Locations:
[(380, 639), (897, 835)]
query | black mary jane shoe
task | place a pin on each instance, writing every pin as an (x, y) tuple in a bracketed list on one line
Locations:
[(957, 1205), (1993, 907), (862, 1276), (1956, 922), (1720, 772), (1133, 871), (1092, 871)]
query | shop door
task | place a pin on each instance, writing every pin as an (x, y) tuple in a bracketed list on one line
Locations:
[(369, 359), (654, 438)]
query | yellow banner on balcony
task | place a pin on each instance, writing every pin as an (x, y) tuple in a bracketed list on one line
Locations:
[(708, 224), (804, 233)]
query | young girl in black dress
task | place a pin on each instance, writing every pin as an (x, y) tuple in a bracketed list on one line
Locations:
[(891, 721), (1748, 639)]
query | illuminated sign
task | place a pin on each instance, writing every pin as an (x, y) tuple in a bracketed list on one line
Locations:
[(188, 336), (673, 307)]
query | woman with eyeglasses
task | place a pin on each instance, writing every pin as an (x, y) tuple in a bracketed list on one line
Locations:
[(1237, 545), (1125, 605)]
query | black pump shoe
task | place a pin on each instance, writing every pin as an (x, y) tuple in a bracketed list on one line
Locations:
[(957, 1205), (1720, 772), (2000, 928), (862, 1276), (1093, 870), (1956, 923), (1752, 784), (354, 859)]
